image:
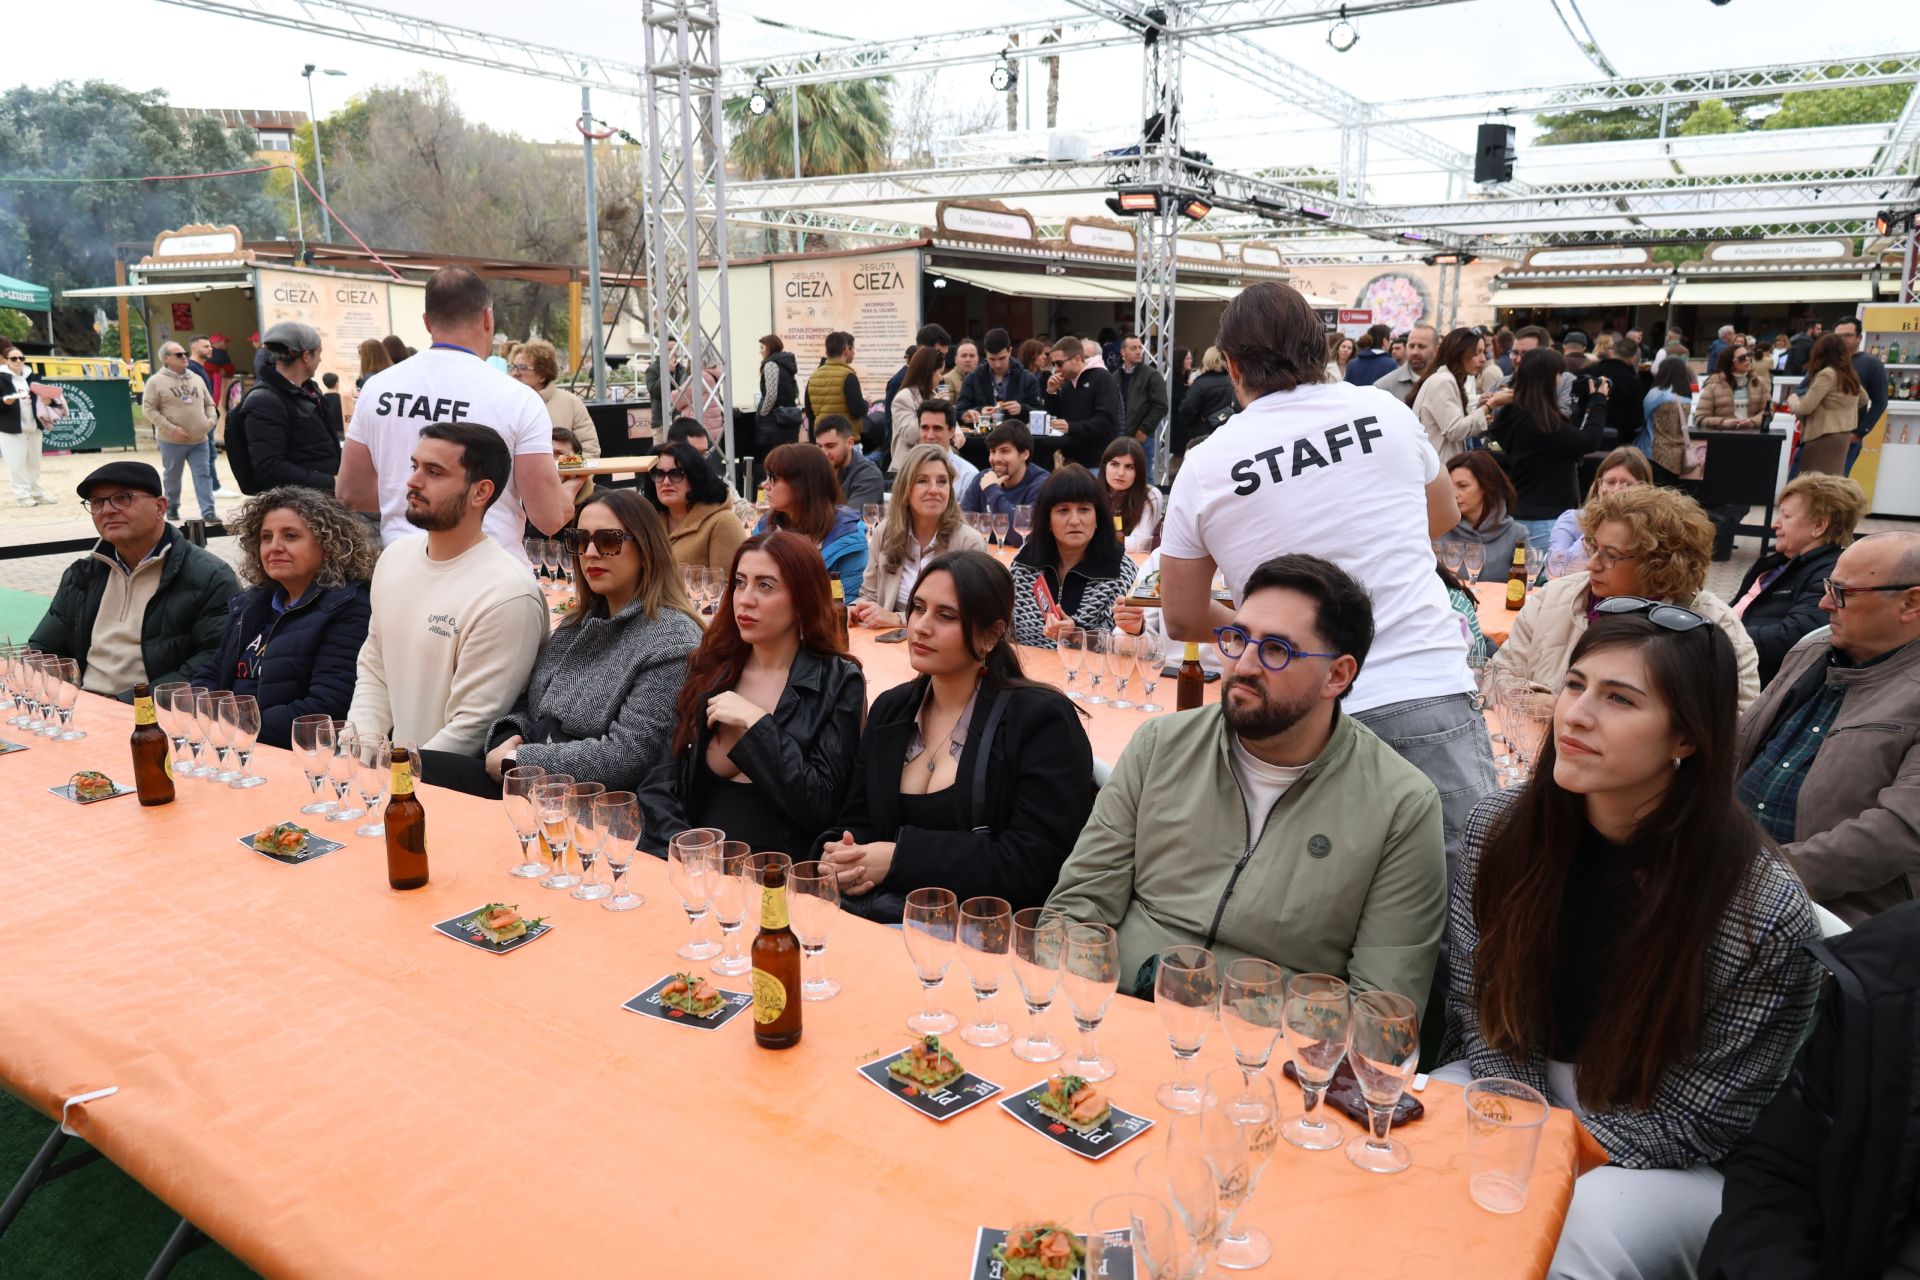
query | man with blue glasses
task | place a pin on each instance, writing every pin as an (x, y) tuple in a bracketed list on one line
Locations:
[(1271, 824)]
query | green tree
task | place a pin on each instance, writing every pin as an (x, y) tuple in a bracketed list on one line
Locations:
[(14, 325), (1796, 109), (845, 127), (1710, 115), (1864, 104), (136, 337)]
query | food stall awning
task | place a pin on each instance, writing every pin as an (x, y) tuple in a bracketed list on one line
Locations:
[(1653, 292), (22, 296), (156, 290), (1020, 284), (1781, 290)]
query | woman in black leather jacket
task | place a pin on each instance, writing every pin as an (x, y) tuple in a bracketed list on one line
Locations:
[(1206, 404), (769, 718)]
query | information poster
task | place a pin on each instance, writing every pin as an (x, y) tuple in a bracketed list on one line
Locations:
[(99, 416), (875, 297), (347, 310)]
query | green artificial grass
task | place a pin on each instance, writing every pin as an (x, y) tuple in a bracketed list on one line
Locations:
[(20, 613), (93, 1224)]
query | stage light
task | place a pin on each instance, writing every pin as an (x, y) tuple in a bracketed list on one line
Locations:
[(1004, 77), (758, 103), (1130, 200), (1341, 35), (1196, 207), (1450, 259), (1315, 212)]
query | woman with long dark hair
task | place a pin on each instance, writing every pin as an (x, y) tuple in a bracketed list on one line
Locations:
[(803, 494), (1829, 408), (1447, 397), (1137, 505), (1738, 395), (777, 415), (923, 371), (1486, 500), (921, 522), (969, 776), (766, 723), (698, 509), (1665, 408), (1544, 446), (1075, 552), (1624, 939)]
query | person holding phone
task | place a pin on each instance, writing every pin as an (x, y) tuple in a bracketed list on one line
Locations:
[(922, 522), (1073, 570), (1543, 446)]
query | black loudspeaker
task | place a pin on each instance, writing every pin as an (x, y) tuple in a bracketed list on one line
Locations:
[(1493, 158)]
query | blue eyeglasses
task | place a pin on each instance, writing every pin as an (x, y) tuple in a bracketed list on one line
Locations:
[(1274, 653)]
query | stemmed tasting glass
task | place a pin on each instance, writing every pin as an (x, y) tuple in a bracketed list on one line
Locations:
[(206, 723), (1091, 974), (813, 900), (1073, 653), (37, 692), (1187, 994), (1253, 997), (694, 578), (1132, 1235), (1122, 653), (1319, 1011), (1536, 562), (1023, 520), (1002, 523), (587, 839), (1529, 718), (1473, 558), (17, 664), (550, 556), (241, 713), (343, 769), (731, 889), (1097, 643), (1450, 555), (928, 924), (7, 650), (66, 671), (516, 796), (1039, 946), (534, 552), (556, 828), (170, 720), (693, 864), (50, 695), (1153, 657), (312, 746), (1184, 1179), (870, 516), (372, 776), (986, 933), (1247, 1107), (618, 814), (1556, 564), (1386, 1048)]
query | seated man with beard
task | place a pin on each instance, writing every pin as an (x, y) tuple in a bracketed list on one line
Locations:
[(1271, 824)]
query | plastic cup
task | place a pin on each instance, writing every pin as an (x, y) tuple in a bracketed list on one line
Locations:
[(1504, 1119)]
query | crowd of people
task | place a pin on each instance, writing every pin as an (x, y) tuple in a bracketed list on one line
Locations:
[(1632, 929)]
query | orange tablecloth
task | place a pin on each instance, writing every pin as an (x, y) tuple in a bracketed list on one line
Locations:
[(1495, 620), (327, 1087)]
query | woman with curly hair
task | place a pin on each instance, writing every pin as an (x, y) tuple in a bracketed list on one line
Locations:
[(1645, 543), (293, 637)]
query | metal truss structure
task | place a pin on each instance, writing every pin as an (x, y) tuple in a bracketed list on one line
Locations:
[(1156, 240)]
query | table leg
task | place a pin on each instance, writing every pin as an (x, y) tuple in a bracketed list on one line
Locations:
[(41, 1170), (185, 1238)]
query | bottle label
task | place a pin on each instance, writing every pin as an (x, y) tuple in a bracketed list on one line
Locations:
[(769, 997), (1516, 591), (839, 592), (773, 908), (402, 778), (143, 712)]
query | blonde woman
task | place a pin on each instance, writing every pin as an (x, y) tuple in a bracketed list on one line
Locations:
[(922, 521), (537, 364)]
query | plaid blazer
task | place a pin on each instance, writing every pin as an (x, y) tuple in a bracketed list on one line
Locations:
[(1761, 983)]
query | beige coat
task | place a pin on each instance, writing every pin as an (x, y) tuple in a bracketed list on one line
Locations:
[(1825, 409), (1714, 412), (1555, 617), (882, 583), (568, 410), (1437, 405), (1670, 436), (708, 536), (179, 407)]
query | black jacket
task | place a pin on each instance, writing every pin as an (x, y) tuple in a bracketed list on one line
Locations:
[(1147, 400), (1039, 795), (11, 414), (1798, 352), (1545, 465), (1206, 397), (286, 436), (1624, 412), (1789, 609), (977, 391), (1825, 1186), (1091, 408), (799, 757), (310, 660)]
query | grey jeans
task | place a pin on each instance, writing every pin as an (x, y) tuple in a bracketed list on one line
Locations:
[(1446, 739)]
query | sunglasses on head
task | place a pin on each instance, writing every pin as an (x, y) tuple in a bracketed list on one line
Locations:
[(605, 541), (1670, 617)]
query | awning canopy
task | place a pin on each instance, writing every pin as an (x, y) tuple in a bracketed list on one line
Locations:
[(1021, 284), (1782, 290), (157, 290), (1652, 293), (22, 296)]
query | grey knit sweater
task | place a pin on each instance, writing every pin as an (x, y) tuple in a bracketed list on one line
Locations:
[(609, 685)]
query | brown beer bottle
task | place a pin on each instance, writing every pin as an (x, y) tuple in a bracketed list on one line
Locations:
[(776, 964), (1517, 580), (839, 610), (152, 767), (1190, 690), (406, 824)]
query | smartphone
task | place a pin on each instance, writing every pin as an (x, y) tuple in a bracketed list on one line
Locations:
[(894, 636)]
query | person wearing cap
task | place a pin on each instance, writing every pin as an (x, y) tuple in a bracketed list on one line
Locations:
[(283, 437), (180, 409), (1574, 345), (145, 606)]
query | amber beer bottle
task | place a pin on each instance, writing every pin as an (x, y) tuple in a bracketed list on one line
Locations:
[(152, 768), (406, 824), (776, 962), (1517, 580), (1190, 690), (839, 610)]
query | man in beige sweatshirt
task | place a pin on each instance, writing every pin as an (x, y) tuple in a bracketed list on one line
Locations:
[(456, 620), (182, 414)]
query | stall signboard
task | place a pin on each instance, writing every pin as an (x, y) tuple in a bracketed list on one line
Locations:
[(875, 297), (1352, 322), (99, 416), (346, 310)]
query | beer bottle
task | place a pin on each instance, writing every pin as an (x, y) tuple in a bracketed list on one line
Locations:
[(1191, 688), (776, 963), (1517, 579), (152, 767), (839, 609), (406, 824)]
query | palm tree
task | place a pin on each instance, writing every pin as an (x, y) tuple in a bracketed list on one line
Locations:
[(846, 126), (1053, 81), (1013, 90)]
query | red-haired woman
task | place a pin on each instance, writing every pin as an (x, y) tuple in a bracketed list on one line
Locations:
[(769, 718)]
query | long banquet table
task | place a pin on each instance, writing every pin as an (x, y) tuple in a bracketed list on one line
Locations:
[(328, 1088)]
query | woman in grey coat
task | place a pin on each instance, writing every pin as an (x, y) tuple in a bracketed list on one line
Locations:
[(600, 702)]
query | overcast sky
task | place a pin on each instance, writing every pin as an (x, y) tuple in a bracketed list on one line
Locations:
[(212, 60)]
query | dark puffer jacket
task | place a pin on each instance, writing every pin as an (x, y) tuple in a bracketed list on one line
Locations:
[(309, 662), (287, 439)]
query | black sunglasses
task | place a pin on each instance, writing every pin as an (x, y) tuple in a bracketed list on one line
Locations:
[(671, 475), (606, 541), (1668, 616)]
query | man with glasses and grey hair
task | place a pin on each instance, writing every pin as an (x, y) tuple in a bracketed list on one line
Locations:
[(181, 411)]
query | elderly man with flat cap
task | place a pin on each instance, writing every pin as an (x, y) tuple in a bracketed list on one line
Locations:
[(145, 606)]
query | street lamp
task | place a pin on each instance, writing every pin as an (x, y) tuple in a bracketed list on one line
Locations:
[(319, 163)]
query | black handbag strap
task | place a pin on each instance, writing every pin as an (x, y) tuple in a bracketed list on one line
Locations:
[(977, 803)]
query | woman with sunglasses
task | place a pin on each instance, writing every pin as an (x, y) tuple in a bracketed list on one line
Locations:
[(1644, 542), (1738, 395), (697, 506), (1624, 939), (599, 702), (20, 428), (803, 494), (766, 723)]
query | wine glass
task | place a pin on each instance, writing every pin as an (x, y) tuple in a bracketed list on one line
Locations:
[(312, 746), (1247, 1106), (206, 721), (1557, 564), (556, 828), (693, 864), (1186, 991), (344, 772), (372, 776), (1536, 561), (587, 839), (617, 813), (36, 685), (534, 549), (1473, 558), (1121, 655), (1183, 1178), (551, 557), (66, 674), (1318, 1012), (1072, 645), (732, 884), (929, 923), (870, 516), (1039, 946), (169, 720), (17, 683), (1153, 657), (1450, 555), (241, 712), (1253, 997), (7, 700), (986, 933), (1002, 524), (1386, 1047), (813, 893), (1097, 643), (1023, 520), (516, 797), (1090, 971), (1529, 718)]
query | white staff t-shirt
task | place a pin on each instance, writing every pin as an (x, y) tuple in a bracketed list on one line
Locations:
[(446, 384), (1340, 472)]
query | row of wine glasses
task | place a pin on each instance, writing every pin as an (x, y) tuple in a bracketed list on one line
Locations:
[(704, 586), (335, 757), (554, 814), (1465, 559), (212, 724), (1525, 715), (716, 878), (549, 559), (43, 689), (1118, 655)]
